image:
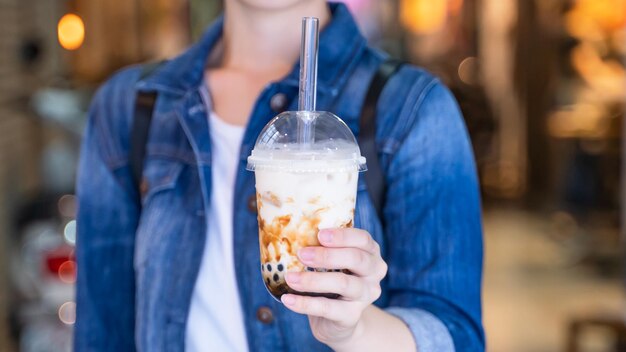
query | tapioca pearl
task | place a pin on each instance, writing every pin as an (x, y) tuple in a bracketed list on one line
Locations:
[(267, 280), (262, 267), (276, 277), (269, 267), (309, 269), (280, 267)]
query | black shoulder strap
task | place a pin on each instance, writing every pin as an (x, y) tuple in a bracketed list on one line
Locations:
[(374, 177), (144, 106)]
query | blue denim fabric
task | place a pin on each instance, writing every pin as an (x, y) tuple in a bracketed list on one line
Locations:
[(137, 268)]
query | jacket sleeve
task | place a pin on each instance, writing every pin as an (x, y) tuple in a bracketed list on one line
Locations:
[(107, 218), (433, 226)]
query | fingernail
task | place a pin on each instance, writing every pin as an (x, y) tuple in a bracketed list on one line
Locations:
[(325, 236), (293, 278), (288, 300), (306, 254)]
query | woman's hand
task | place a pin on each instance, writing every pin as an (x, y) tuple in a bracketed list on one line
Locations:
[(337, 322)]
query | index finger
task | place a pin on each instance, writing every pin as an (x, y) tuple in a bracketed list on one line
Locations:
[(348, 237)]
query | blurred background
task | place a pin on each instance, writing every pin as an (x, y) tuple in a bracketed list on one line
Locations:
[(542, 85)]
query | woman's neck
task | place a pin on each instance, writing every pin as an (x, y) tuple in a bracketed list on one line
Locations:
[(264, 40)]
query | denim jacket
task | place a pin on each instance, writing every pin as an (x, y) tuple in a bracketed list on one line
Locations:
[(137, 265)]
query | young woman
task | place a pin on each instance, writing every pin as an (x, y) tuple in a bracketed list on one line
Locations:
[(180, 269)]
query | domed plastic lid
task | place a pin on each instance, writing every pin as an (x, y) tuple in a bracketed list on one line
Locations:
[(306, 141)]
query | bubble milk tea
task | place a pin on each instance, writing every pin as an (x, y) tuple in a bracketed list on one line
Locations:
[(300, 190)]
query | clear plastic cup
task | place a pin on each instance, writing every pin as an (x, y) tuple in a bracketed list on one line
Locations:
[(306, 166)]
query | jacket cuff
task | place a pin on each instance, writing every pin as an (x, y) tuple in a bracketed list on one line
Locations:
[(430, 334)]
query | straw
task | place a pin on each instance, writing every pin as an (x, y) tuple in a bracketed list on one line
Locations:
[(308, 63), (308, 78)]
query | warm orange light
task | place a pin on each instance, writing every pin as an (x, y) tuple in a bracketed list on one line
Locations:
[(455, 6), (71, 31), (423, 16), (609, 15), (67, 272)]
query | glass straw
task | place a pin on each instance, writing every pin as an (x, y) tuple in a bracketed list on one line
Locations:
[(308, 79), (308, 63)]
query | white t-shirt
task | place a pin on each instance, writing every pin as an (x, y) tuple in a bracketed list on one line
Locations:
[(215, 321)]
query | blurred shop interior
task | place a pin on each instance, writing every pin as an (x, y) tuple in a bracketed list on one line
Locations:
[(542, 85)]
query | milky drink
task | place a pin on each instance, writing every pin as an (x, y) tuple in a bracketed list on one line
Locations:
[(301, 190), (292, 207)]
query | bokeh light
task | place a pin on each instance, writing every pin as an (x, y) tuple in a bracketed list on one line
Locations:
[(69, 232), (71, 31), (67, 272), (455, 6), (67, 205), (579, 120), (468, 70), (424, 16), (67, 313)]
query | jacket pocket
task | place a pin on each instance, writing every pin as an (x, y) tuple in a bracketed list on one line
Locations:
[(160, 211), (159, 174)]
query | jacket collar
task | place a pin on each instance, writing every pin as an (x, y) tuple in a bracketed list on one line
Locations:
[(340, 43)]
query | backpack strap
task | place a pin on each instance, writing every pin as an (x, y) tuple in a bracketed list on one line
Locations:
[(374, 177), (144, 107)]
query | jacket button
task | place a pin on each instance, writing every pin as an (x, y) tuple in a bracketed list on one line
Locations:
[(278, 103), (252, 204), (144, 186), (265, 315)]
